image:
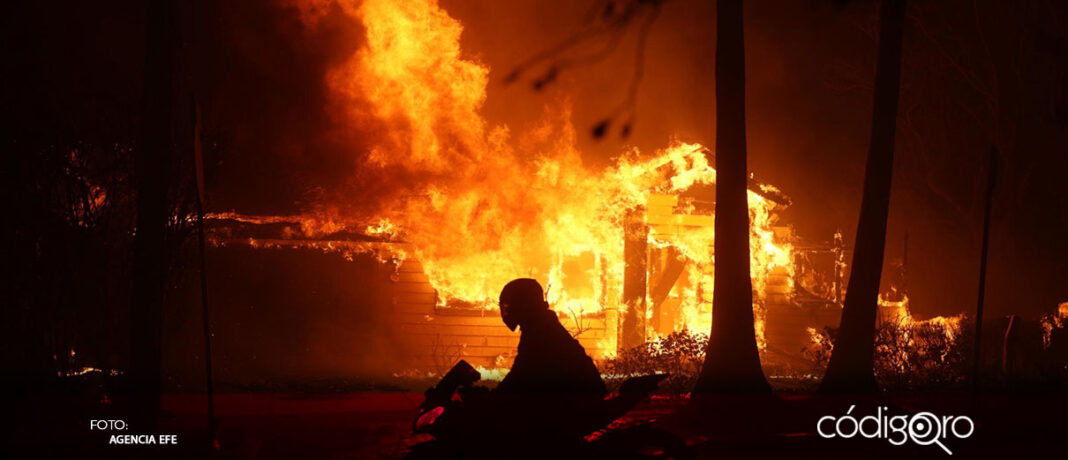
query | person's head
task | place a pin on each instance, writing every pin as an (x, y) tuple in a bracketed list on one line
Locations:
[(521, 299)]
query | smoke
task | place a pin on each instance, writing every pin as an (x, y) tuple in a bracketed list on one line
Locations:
[(275, 146)]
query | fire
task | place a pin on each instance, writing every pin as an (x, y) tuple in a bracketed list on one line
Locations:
[(479, 207), (1053, 321), (907, 351), (949, 325), (910, 337), (383, 228), (815, 336), (496, 374)]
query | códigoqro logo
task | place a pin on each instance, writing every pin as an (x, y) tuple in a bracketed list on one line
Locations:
[(923, 428)]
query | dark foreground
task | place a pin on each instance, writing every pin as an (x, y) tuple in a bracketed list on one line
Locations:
[(377, 425)]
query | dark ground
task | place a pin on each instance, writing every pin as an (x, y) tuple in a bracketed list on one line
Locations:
[(378, 425)]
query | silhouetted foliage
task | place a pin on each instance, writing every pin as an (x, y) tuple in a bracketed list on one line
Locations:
[(908, 355), (679, 354)]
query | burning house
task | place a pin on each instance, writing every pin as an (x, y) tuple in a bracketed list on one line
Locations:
[(654, 279), (626, 253), (444, 208)]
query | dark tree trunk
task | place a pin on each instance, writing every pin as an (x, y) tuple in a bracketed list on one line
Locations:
[(152, 159), (851, 368), (732, 362)]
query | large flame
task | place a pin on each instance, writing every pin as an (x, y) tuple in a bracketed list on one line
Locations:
[(480, 207)]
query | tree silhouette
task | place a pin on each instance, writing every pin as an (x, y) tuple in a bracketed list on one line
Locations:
[(732, 362), (851, 367), (152, 164)]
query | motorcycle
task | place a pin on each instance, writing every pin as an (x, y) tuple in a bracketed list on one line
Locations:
[(450, 428)]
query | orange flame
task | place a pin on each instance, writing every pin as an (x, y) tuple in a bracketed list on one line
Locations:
[(483, 208), (1051, 322)]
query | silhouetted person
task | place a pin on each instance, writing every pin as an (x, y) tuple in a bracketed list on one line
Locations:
[(549, 360), (552, 396)]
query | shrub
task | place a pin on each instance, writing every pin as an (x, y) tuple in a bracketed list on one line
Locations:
[(679, 354), (908, 354)]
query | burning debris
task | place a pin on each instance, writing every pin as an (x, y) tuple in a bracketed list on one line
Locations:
[(70, 367)]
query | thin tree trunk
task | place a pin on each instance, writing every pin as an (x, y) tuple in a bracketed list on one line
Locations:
[(152, 158), (991, 181), (732, 362), (851, 368)]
